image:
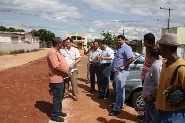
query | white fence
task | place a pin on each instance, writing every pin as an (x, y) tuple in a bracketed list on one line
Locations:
[(18, 47)]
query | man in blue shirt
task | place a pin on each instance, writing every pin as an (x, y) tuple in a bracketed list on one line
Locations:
[(122, 59)]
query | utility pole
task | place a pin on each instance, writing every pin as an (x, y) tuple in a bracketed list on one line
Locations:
[(169, 9)]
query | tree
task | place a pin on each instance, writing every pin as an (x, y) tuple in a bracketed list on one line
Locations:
[(44, 35), (11, 29), (2, 28), (110, 37), (20, 30)]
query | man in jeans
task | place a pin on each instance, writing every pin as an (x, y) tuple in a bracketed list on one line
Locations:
[(58, 68), (123, 57)]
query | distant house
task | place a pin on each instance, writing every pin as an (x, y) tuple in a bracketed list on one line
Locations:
[(136, 45), (18, 37), (79, 40), (18, 42)]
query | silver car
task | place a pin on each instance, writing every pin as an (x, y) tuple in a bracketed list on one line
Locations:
[(137, 64)]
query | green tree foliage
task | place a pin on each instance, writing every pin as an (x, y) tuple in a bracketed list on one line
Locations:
[(2, 28), (44, 35), (110, 37), (10, 29)]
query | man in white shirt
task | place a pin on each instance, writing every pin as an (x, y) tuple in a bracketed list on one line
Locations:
[(72, 57), (106, 57), (95, 66), (86, 52)]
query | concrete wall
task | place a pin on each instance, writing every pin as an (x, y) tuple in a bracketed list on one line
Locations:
[(5, 37), (19, 47), (180, 31)]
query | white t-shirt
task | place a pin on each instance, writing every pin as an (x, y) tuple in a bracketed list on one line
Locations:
[(70, 56)]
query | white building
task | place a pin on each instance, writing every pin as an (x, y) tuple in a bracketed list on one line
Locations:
[(18, 37), (18, 42), (79, 40)]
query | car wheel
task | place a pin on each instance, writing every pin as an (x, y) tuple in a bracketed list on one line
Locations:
[(138, 101)]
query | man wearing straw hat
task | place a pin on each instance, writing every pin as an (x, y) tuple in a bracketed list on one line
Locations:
[(165, 111)]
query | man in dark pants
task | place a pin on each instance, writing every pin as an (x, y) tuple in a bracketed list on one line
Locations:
[(58, 68), (95, 66), (106, 67)]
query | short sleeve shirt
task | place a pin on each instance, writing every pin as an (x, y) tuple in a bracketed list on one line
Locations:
[(55, 59), (70, 56), (123, 54)]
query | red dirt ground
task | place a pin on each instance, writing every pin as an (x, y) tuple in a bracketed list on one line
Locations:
[(25, 98)]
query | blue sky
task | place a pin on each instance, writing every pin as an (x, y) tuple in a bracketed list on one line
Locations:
[(137, 17)]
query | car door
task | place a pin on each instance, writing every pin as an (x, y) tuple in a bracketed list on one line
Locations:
[(137, 64)]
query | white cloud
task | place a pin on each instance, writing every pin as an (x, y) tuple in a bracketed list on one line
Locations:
[(93, 16)]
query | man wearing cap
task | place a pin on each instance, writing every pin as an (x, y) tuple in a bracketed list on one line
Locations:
[(166, 113)]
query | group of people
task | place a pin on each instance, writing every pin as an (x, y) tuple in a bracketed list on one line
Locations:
[(156, 74), (160, 63)]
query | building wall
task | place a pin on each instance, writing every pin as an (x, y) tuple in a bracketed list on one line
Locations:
[(19, 47), (180, 31), (5, 37), (11, 42), (76, 41)]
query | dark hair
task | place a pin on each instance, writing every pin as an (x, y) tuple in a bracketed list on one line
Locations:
[(70, 39), (153, 50), (150, 38), (95, 41), (104, 42), (56, 40), (121, 36)]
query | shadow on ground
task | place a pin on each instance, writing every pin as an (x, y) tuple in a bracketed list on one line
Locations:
[(82, 79), (103, 120), (45, 107), (106, 104)]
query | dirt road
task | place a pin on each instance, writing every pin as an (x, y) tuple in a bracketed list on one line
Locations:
[(25, 97)]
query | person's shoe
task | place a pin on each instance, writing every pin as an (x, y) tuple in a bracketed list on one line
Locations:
[(141, 117), (58, 119), (107, 94), (113, 113), (62, 114), (99, 91), (87, 82), (91, 90), (113, 106), (101, 97), (74, 98), (66, 96)]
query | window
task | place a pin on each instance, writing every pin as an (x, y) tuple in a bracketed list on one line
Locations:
[(14, 39), (22, 39), (79, 38), (73, 37), (37, 40)]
